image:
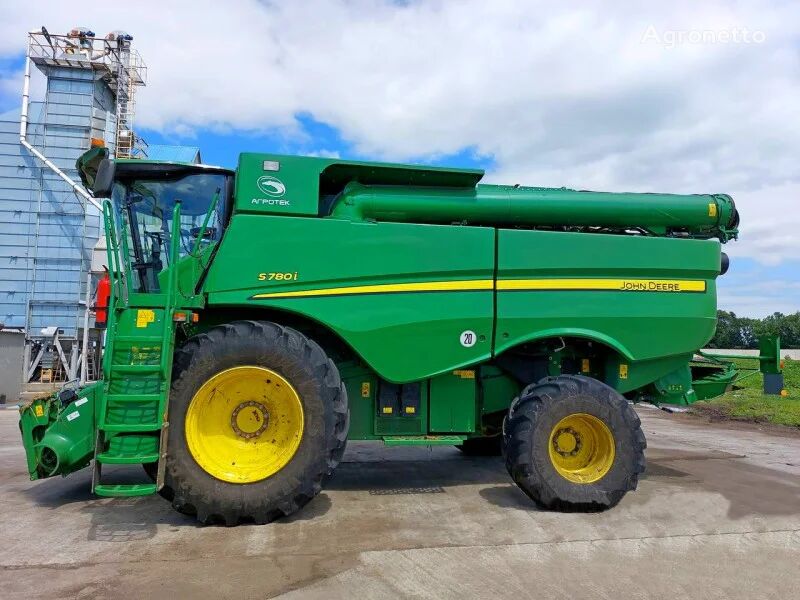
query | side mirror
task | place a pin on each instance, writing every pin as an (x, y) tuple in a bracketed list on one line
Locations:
[(209, 233), (104, 181)]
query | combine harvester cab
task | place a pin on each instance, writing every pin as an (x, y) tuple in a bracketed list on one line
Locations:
[(260, 318)]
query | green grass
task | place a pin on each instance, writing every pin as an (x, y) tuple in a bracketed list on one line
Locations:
[(749, 404)]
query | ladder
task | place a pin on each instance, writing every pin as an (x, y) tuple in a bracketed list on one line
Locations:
[(125, 107), (91, 362), (137, 368)]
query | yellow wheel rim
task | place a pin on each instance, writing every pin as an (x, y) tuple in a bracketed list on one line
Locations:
[(581, 448), (244, 424)]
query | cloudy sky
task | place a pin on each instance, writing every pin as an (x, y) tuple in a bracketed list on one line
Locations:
[(676, 97)]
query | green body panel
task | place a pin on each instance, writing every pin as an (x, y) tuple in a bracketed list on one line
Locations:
[(675, 387), (641, 325), (362, 386), (331, 254), (452, 402), (298, 183), (403, 336), (496, 388)]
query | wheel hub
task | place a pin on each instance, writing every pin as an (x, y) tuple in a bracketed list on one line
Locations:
[(567, 442), (250, 419), (244, 424), (581, 448)]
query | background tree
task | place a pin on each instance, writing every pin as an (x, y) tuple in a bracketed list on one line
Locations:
[(743, 332)]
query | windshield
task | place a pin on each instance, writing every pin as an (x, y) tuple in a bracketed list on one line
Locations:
[(146, 206)]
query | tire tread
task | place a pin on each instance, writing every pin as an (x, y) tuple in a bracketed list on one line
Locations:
[(529, 409), (190, 497)]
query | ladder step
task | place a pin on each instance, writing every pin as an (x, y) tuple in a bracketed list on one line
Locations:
[(119, 490), (130, 449), (135, 368), (108, 458), (155, 398), (143, 339), (132, 427)]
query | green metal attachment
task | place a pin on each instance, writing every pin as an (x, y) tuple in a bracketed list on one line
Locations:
[(719, 374)]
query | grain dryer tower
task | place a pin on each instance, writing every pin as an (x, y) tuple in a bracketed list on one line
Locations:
[(49, 223)]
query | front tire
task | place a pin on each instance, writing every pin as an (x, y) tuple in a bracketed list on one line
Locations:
[(572, 443), (258, 423)]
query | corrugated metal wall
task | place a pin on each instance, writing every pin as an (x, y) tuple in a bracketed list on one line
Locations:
[(46, 235)]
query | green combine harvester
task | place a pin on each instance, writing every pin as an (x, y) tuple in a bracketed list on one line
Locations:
[(260, 318)]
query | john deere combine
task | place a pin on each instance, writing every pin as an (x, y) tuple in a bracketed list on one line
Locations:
[(261, 317)]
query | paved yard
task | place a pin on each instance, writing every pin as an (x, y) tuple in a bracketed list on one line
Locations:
[(716, 516)]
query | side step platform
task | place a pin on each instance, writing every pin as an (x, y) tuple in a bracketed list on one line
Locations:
[(423, 440)]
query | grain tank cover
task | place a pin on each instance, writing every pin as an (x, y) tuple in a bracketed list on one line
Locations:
[(306, 185)]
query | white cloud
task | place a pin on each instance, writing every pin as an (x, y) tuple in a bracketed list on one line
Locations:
[(556, 94), (760, 297), (325, 153), (770, 224)]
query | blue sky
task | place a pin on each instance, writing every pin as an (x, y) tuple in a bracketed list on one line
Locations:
[(314, 138), (621, 97)]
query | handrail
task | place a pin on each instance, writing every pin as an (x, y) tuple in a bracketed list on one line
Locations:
[(115, 291), (109, 52), (126, 253), (120, 279), (112, 250), (172, 285), (202, 231)]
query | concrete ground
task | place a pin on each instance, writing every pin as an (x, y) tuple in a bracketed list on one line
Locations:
[(716, 516)]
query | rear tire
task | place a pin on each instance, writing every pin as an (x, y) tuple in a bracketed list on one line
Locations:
[(573, 444), (324, 422)]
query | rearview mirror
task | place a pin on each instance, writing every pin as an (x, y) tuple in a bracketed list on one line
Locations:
[(209, 233), (104, 181)]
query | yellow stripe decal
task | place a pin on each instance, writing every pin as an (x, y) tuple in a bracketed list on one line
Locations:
[(503, 285), (389, 288), (620, 285)]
